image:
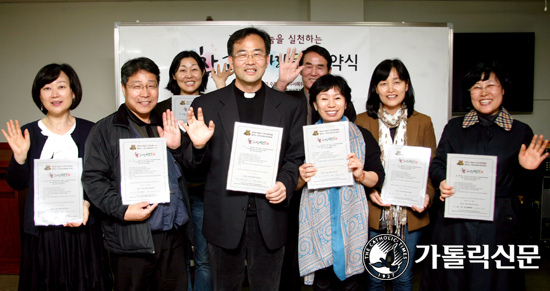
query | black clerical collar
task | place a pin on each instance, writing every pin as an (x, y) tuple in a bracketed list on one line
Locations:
[(241, 94)]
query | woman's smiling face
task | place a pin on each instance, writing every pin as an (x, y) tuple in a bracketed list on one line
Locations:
[(487, 95), (189, 76), (330, 105), (392, 91)]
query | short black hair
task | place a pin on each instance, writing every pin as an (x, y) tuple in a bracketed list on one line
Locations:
[(327, 82), (50, 73), (321, 51), (172, 85), (482, 72), (242, 33), (381, 73), (134, 65)]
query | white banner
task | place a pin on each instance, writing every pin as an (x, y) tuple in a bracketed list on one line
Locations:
[(356, 49)]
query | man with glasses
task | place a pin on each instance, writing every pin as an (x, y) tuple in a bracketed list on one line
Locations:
[(146, 242), (312, 63), (238, 225)]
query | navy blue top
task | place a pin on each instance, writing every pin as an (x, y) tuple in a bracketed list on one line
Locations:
[(485, 140), (20, 177)]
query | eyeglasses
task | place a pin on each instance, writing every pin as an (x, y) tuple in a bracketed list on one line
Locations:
[(243, 56), (476, 89), (138, 88)]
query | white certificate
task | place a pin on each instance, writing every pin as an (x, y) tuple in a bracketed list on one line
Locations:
[(474, 180), (406, 175), (58, 195), (144, 170), (327, 147), (181, 104), (254, 162)]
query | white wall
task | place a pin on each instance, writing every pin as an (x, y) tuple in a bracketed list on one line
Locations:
[(81, 34)]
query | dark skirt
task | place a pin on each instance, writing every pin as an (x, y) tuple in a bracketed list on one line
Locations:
[(65, 258), (504, 230)]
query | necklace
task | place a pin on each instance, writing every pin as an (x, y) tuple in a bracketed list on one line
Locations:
[(59, 127)]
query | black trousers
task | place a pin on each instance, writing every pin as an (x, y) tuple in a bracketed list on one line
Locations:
[(326, 280), (163, 270), (290, 276), (264, 265)]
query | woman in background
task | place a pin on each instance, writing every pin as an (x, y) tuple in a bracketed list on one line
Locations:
[(189, 77), (391, 118), (68, 257), (486, 130), (328, 252)]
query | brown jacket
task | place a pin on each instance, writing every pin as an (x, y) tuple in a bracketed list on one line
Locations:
[(420, 132)]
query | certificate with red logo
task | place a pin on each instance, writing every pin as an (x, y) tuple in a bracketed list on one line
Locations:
[(327, 148), (254, 161), (474, 180), (181, 104), (58, 196), (144, 170), (406, 175)]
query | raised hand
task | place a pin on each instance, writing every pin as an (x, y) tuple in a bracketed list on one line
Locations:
[(171, 131), (19, 144), (289, 69), (531, 157), (220, 75), (197, 130)]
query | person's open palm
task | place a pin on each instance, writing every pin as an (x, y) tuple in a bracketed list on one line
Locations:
[(19, 142)]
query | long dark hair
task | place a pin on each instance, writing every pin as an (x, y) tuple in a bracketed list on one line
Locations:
[(381, 73)]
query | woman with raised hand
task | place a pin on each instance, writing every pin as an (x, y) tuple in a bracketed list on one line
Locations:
[(188, 77), (71, 256), (486, 130)]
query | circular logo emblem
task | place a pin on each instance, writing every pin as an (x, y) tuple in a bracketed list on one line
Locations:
[(386, 256)]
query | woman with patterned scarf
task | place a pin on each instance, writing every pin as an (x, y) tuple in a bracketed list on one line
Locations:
[(334, 222), (391, 118)]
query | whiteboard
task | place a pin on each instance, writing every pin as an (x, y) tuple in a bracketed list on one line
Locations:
[(356, 49)]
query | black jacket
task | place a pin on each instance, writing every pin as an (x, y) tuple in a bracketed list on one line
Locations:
[(224, 210), (101, 180)]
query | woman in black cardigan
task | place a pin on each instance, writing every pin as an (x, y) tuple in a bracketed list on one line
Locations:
[(63, 257)]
